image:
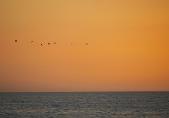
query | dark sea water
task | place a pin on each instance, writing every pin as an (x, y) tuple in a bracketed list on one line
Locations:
[(85, 105)]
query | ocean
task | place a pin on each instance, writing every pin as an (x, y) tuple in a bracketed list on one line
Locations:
[(85, 105)]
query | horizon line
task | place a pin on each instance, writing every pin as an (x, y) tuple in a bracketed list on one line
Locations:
[(83, 91)]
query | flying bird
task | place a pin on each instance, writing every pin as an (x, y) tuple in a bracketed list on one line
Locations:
[(16, 41), (86, 43), (49, 43), (41, 44)]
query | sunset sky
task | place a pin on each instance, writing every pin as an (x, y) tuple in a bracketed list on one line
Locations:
[(128, 45)]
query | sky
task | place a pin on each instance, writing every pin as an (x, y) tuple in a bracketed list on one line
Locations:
[(128, 45)]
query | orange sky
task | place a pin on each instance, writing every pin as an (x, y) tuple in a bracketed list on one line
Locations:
[(128, 45)]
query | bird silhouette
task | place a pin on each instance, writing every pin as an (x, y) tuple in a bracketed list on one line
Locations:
[(49, 43), (41, 44), (16, 41), (86, 43)]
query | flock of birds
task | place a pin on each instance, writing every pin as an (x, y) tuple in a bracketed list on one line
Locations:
[(48, 43)]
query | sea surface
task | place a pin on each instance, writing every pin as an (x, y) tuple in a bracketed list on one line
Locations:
[(85, 105)]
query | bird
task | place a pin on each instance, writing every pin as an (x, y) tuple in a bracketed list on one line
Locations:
[(86, 43), (16, 41), (48, 43), (32, 41), (41, 44)]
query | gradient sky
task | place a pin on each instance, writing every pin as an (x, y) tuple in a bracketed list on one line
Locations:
[(128, 45)]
